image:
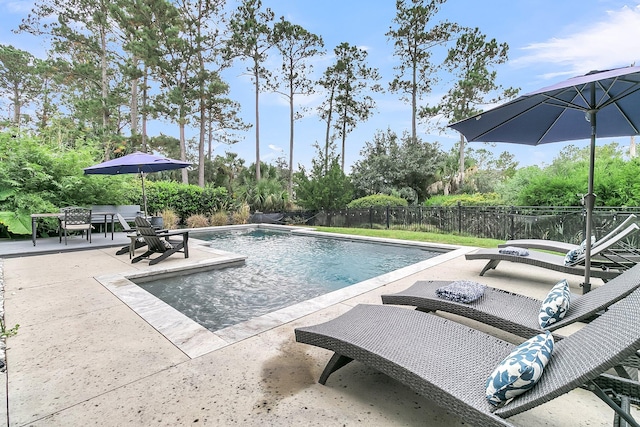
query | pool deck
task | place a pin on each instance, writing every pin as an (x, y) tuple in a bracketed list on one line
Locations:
[(83, 356)]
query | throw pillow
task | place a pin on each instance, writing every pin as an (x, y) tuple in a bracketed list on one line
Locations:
[(520, 370), (572, 256), (555, 305)]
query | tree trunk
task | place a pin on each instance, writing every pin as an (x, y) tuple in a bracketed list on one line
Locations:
[(326, 140), (134, 101), (461, 167), (144, 110), (414, 103), (257, 77), (183, 151), (291, 120), (16, 106)]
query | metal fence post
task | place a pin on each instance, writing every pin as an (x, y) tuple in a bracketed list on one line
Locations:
[(459, 217), (387, 216), (512, 214)]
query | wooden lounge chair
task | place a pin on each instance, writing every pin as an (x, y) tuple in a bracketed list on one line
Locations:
[(136, 241), (608, 266), (449, 363), (161, 242), (564, 247), (516, 313)]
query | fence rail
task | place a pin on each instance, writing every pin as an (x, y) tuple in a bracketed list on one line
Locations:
[(562, 223)]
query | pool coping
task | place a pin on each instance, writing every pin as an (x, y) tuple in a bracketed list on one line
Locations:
[(195, 340)]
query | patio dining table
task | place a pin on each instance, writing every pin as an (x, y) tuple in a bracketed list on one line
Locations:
[(36, 216)]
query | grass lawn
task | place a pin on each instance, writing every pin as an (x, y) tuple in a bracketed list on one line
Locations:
[(421, 236)]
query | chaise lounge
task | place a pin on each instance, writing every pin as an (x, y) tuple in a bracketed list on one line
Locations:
[(449, 363), (516, 313), (564, 247), (605, 269)]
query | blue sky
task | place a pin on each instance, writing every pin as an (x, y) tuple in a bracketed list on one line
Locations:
[(549, 41)]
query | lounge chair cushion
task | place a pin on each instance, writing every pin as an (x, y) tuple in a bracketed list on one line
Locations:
[(555, 305), (572, 256), (512, 250), (461, 291), (520, 370)]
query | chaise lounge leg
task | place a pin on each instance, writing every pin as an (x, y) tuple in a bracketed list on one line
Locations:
[(622, 412), (336, 362), (490, 265)]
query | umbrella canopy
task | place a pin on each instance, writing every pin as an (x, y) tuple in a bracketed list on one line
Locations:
[(136, 163), (598, 104)]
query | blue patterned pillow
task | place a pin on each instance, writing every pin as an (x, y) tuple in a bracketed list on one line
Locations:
[(572, 256), (519, 371), (555, 305)]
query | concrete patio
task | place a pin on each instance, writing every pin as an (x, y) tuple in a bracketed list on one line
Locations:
[(82, 356)]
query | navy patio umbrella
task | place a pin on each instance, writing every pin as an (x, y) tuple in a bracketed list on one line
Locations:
[(137, 162), (599, 104)]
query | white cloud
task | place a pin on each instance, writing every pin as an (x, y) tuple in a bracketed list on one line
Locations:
[(611, 42), (275, 148), (17, 6)]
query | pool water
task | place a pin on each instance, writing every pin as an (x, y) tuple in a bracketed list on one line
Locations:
[(281, 269)]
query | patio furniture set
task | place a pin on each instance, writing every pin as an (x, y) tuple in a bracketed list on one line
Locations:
[(485, 380)]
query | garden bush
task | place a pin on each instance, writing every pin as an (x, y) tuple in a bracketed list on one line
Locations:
[(170, 219), (197, 221), (219, 218), (477, 199), (377, 200)]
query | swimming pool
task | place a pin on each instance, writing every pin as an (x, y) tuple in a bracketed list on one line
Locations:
[(281, 269)]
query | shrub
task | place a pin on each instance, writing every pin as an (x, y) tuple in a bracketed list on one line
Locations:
[(197, 221), (241, 216), (169, 219), (219, 218), (377, 200), (477, 199)]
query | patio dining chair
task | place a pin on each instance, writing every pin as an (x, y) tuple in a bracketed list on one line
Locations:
[(74, 219)]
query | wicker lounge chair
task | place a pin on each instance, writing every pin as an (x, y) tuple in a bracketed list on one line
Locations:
[(516, 313), (161, 242), (564, 247), (604, 265), (449, 363)]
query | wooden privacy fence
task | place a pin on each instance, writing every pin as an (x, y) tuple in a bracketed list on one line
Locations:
[(563, 223)]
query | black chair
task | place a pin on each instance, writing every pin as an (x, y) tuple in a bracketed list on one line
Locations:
[(160, 242), (75, 219)]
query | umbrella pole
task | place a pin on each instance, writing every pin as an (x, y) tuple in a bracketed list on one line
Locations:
[(144, 196), (590, 198)]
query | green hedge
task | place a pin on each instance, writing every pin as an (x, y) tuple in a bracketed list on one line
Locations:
[(377, 200)]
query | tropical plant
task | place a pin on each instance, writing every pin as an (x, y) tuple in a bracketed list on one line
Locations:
[(266, 195)]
